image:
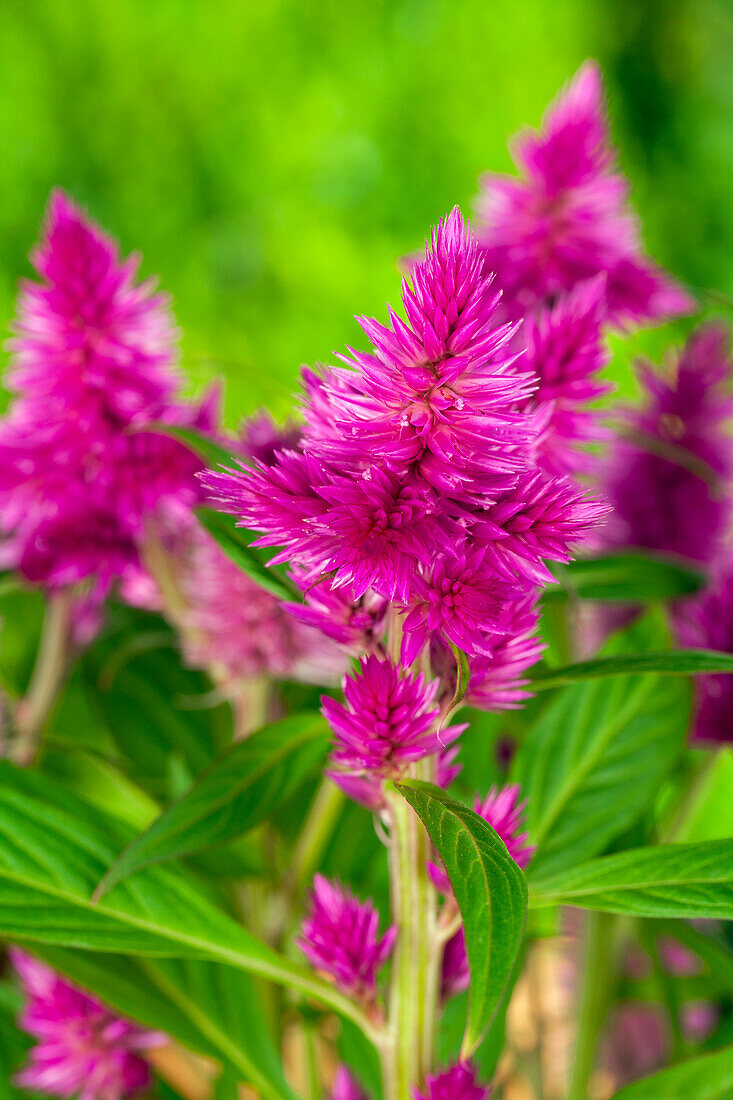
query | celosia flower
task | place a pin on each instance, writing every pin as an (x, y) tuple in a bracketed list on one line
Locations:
[(345, 1087), (341, 938), (82, 1050), (439, 393), (416, 478), (93, 364), (389, 720), (568, 218), (706, 622), (666, 477), (457, 1083), (504, 811), (637, 1041), (699, 1020)]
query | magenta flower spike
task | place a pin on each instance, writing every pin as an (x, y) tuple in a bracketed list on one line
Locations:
[(389, 720), (93, 363), (567, 218), (418, 478), (82, 1049), (457, 1083), (340, 937)]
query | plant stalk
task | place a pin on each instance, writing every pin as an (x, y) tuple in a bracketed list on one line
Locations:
[(414, 986), (51, 663)]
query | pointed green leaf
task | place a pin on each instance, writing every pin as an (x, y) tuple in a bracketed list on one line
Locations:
[(596, 757), (490, 891), (672, 880), (243, 785), (626, 577), (709, 1077), (54, 849), (671, 662)]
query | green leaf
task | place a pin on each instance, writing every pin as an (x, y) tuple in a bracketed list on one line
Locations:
[(47, 879), (708, 1077), (236, 542), (671, 662), (596, 758), (627, 577), (671, 880), (490, 891), (243, 785)]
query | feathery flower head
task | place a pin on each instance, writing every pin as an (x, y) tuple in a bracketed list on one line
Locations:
[(262, 438), (504, 811), (83, 1050), (541, 518), (416, 477), (497, 682), (89, 339), (340, 937), (567, 218), (665, 476), (457, 1083), (93, 364), (345, 1087), (389, 720), (439, 393)]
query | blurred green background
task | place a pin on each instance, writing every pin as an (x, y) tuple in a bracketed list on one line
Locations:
[(272, 159)]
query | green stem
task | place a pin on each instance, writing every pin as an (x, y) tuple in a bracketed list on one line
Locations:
[(594, 998), (415, 975), (50, 668)]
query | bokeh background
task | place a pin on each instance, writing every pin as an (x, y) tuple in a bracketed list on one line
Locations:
[(273, 158)]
